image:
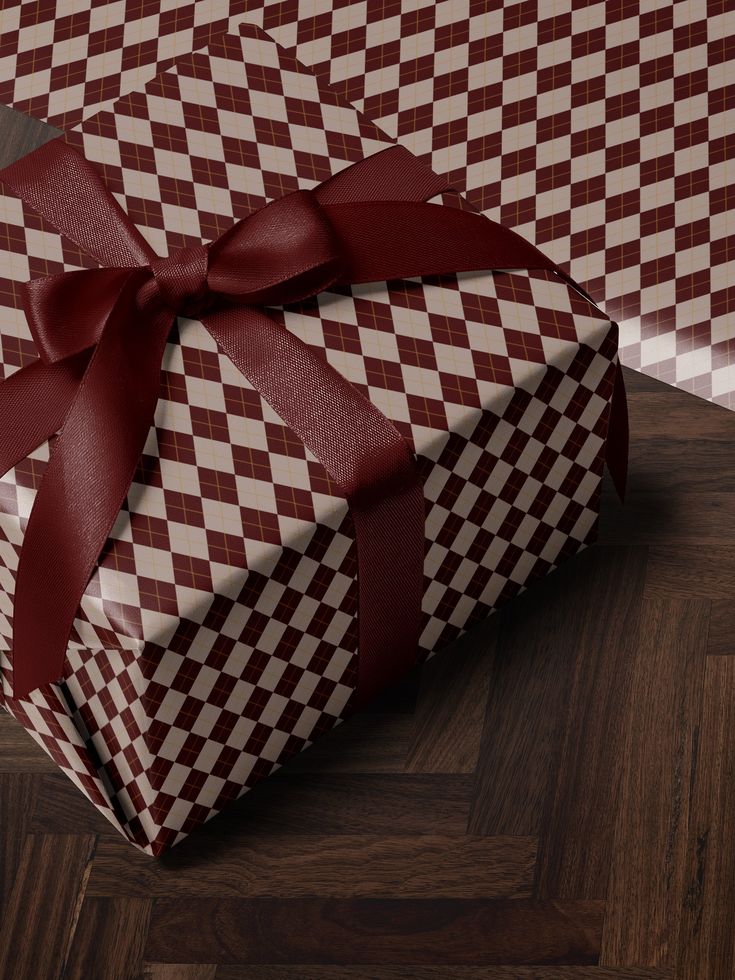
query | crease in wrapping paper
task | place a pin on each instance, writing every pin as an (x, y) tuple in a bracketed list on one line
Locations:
[(571, 335)]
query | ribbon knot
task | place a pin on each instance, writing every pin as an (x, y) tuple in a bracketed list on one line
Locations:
[(182, 280)]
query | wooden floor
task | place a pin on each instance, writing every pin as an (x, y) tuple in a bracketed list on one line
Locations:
[(554, 799)]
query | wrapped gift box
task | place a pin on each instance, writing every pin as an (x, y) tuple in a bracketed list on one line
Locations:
[(217, 636), (601, 132)]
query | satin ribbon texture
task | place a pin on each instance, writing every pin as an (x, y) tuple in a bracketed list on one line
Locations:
[(101, 335)]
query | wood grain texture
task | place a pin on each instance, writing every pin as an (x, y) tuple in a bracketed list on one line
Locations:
[(179, 971), (371, 742), (306, 972), (646, 886), (721, 636), (109, 940), (558, 636), (517, 761), (432, 931), (577, 839), (707, 930), (297, 803), (20, 754), (552, 799), (41, 914), (17, 803), (450, 709), (334, 866), (20, 135)]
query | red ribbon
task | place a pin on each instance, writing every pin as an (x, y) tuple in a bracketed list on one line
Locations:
[(101, 335)]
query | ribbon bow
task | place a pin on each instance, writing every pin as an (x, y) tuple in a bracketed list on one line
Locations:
[(281, 254), (101, 335)]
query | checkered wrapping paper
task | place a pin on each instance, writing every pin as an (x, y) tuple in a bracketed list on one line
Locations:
[(218, 637), (601, 131), (62, 62)]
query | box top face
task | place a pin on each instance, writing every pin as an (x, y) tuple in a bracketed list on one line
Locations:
[(223, 485)]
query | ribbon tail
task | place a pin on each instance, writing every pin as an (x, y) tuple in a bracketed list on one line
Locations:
[(383, 240), (84, 486), (374, 468), (33, 405), (394, 174)]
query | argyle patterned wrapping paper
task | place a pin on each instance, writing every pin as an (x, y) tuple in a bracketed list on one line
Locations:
[(218, 636), (601, 130)]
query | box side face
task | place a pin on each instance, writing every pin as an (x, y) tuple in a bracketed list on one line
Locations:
[(181, 730)]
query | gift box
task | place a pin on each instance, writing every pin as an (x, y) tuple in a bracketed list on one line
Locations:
[(598, 131), (224, 626)]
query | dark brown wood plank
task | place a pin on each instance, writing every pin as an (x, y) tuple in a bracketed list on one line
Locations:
[(576, 844), (17, 801), (19, 753), (433, 931), (331, 866), (707, 931), (109, 940), (520, 741), (544, 636), (306, 972), (451, 705), (179, 971), (653, 517), (40, 917), (297, 803), (646, 881), (62, 809), (21, 134), (680, 444), (703, 569), (368, 743), (721, 637)]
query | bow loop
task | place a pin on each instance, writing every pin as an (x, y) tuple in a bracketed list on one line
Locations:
[(60, 324), (281, 254)]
